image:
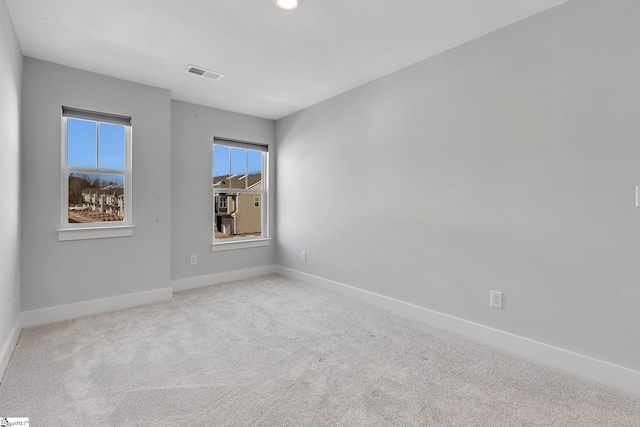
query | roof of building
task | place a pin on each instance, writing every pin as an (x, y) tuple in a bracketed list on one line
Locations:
[(237, 181), (114, 190)]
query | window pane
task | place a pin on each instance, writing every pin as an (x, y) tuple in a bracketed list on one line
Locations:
[(254, 161), (96, 198), (221, 166), (112, 146), (236, 213), (238, 168), (240, 216), (81, 143)]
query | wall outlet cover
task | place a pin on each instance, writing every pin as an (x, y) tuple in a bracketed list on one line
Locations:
[(495, 299)]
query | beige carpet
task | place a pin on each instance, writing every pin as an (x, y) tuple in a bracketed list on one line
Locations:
[(274, 352)]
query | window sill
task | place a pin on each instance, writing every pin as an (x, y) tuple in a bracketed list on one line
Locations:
[(240, 244), (86, 233)]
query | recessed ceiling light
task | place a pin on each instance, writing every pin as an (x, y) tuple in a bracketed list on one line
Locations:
[(287, 4)]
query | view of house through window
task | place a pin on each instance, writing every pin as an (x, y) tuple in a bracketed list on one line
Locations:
[(238, 189), (96, 167), (95, 198)]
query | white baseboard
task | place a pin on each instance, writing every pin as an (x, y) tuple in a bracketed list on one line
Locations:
[(604, 372), (227, 276), (88, 308), (9, 345)]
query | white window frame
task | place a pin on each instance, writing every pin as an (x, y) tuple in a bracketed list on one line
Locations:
[(95, 230), (222, 202), (231, 243)]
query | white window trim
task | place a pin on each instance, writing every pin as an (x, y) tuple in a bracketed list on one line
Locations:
[(65, 234), (240, 243), (222, 205), (233, 243), (98, 230)]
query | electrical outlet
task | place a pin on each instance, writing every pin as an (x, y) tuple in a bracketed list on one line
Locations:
[(495, 299), (193, 260), (303, 257)]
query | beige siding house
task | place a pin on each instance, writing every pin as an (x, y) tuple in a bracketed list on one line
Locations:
[(238, 214)]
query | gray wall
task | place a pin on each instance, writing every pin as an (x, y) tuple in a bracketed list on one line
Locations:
[(192, 130), (508, 163), (10, 78), (55, 273)]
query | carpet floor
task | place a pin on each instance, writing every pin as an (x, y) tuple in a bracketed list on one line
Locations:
[(271, 351)]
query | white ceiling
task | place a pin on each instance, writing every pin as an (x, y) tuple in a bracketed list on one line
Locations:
[(275, 62)]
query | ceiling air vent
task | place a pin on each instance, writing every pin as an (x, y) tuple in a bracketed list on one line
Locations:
[(204, 73)]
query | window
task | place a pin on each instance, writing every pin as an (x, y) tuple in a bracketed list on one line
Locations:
[(239, 188), (96, 175)]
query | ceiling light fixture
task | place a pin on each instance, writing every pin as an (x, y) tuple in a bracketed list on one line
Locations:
[(287, 4)]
